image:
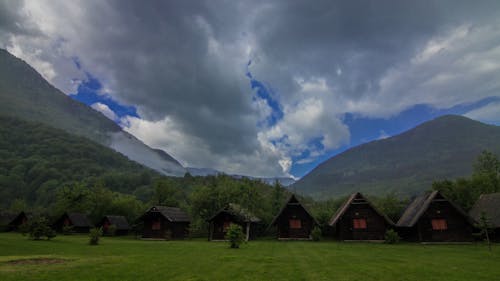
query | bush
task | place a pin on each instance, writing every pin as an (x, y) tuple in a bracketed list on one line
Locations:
[(111, 231), (391, 237), (316, 234), (95, 234), (67, 229), (235, 235), (38, 227)]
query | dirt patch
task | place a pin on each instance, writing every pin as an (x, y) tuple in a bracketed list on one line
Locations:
[(36, 261)]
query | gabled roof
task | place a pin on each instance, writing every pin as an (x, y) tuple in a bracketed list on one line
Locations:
[(79, 220), (356, 198), (490, 204), (6, 218), (238, 212), (292, 200), (120, 222), (420, 204), (172, 214)]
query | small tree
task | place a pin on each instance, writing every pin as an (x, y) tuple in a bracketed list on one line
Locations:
[(316, 234), (38, 227), (391, 237), (111, 231), (95, 234), (484, 225), (235, 235), (67, 229)]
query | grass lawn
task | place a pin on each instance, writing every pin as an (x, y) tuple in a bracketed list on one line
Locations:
[(71, 258)]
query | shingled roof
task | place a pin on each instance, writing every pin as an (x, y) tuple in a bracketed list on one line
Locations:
[(238, 212), (79, 220), (418, 207), (352, 199), (490, 204), (120, 222), (172, 214), (6, 218)]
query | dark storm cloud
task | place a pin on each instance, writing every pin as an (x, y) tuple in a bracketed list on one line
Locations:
[(363, 38), (183, 65)]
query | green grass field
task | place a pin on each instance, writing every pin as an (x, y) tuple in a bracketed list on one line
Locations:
[(71, 258)]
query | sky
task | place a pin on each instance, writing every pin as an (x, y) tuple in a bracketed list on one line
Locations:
[(264, 88)]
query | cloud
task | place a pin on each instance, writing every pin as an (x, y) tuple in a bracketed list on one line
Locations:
[(489, 113), (104, 109), (183, 65)]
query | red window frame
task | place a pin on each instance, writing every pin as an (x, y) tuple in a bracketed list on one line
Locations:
[(156, 225), (359, 223), (439, 224), (295, 223)]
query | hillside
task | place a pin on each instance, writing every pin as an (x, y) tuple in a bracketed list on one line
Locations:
[(25, 94), (36, 160), (443, 148)]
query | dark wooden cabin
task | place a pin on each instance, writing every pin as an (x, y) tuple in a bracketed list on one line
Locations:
[(120, 222), (78, 221), (294, 221), (358, 219), (232, 213), (12, 221), (490, 205), (162, 222), (433, 218)]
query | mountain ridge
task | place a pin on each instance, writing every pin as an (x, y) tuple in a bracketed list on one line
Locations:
[(25, 94), (407, 163)]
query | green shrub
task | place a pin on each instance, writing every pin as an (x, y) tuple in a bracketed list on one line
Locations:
[(95, 234), (235, 235), (67, 229), (391, 237), (111, 231), (316, 234), (38, 227), (168, 234)]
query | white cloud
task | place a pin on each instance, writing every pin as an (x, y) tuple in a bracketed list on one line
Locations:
[(104, 109), (489, 113), (187, 77)]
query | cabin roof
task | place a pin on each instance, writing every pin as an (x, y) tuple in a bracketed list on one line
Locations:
[(172, 214), (490, 204), (79, 219), (238, 212), (120, 222), (420, 204), (345, 206), (292, 200), (6, 218)]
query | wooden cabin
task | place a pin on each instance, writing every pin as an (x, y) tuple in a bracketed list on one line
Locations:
[(161, 222), (78, 221), (490, 205), (433, 218), (121, 224), (358, 219), (294, 221), (232, 213), (21, 219)]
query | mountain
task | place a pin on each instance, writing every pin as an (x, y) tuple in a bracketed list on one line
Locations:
[(25, 94), (37, 160), (406, 164)]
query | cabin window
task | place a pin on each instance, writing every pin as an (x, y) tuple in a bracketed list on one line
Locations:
[(295, 224), (439, 224), (359, 223), (156, 225), (226, 225), (66, 222)]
